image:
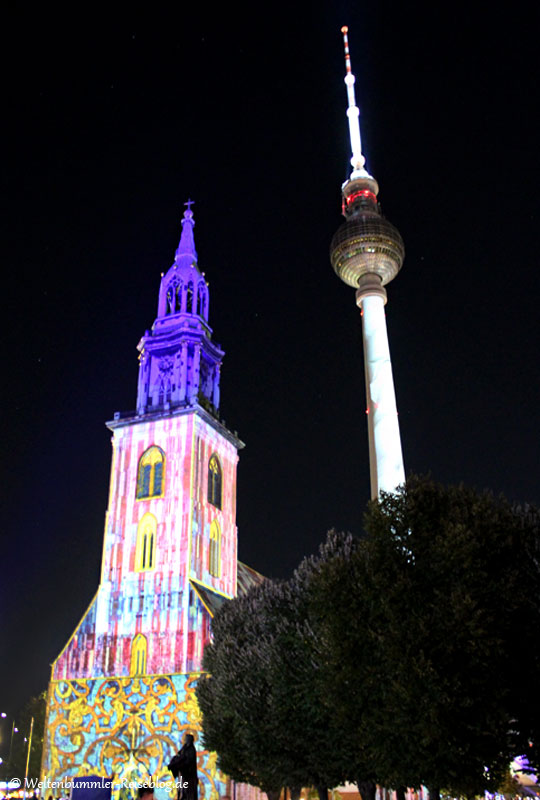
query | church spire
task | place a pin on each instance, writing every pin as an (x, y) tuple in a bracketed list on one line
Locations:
[(186, 246), (183, 288), (179, 364)]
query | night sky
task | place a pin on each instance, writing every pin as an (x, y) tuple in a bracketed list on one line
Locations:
[(112, 124)]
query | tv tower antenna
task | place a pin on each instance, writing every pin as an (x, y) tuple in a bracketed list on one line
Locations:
[(353, 113)]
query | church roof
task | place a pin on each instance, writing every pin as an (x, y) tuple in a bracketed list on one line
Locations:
[(246, 579), (211, 600)]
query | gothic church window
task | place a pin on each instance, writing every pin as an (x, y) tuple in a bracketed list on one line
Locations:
[(165, 394), (145, 549), (174, 297), (200, 300), (138, 655), (214, 481), (214, 556), (170, 301), (189, 301), (151, 473)]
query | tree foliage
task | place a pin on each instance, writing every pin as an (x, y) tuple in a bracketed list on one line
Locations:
[(264, 705), (446, 585)]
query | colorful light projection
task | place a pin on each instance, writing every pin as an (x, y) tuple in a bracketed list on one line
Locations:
[(153, 546), (126, 727)]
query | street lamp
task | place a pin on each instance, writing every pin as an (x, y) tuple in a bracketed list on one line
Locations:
[(13, 730), (28, 756)]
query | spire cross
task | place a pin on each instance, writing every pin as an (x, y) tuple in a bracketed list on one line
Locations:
[(189, 204), (353, 111)]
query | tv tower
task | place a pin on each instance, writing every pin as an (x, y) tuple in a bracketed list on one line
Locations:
[(367, 253)]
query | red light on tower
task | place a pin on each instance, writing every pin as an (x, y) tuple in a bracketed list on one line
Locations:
[(361, 193)]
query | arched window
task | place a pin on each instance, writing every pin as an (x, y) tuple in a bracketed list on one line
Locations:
[(151, 473), (170, 300), (200, 300), (214, 555), (189, 301), (138, 655), (214, 481), (145, 549), (164, 393), (174, 295)]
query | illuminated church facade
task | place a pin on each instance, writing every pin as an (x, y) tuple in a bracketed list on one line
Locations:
[(121, 694)]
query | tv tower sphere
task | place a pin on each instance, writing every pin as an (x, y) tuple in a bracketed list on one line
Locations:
[(366, 244)]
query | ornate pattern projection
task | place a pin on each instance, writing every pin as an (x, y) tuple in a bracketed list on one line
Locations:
[(105, 726)]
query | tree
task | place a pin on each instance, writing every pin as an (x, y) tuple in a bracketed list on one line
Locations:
[(265, 709), (234, 695), (434, 597), (348, 759), (344, 610), (319, 736)]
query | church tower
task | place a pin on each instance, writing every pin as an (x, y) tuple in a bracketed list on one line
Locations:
[(367, 252), (122, 690)]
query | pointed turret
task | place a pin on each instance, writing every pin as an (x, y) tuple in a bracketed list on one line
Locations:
[(186, 245), (183, 288), (179, 363)]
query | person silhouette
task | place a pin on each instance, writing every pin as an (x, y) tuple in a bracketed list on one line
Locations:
[(184, 769)]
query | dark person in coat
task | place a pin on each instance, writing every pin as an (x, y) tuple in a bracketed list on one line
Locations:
[(184, 769)]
